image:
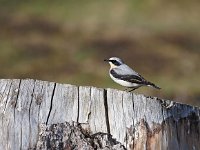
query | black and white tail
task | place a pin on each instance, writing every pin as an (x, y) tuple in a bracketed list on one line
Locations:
[(153, 85)]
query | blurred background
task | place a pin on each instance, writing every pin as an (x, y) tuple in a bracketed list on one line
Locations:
[(67, 41)]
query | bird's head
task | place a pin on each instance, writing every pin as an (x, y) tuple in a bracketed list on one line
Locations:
[(114, 62)]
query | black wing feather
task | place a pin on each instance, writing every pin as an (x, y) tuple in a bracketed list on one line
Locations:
[(130, 78)]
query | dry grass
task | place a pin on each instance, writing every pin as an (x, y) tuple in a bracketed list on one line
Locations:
[(67, 41)]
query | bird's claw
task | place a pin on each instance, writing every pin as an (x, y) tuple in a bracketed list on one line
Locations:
[(126, 89)]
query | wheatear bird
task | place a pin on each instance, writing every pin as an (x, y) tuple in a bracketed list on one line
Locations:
[(125, 76)]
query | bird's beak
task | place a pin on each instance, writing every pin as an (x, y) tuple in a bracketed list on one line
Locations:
[(106, 60)]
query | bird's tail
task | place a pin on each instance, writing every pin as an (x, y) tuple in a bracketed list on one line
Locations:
[(153, 85)]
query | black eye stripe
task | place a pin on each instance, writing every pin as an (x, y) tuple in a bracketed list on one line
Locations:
[(115, 62)]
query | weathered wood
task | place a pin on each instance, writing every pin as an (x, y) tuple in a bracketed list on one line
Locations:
[(46, 115), (51, 137)]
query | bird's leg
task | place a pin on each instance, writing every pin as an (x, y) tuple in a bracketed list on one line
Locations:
[(133, 89)]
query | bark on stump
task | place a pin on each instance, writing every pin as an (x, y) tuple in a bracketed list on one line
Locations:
[(46, 115)]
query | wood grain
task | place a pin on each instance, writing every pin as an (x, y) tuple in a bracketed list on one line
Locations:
[(33, 113)]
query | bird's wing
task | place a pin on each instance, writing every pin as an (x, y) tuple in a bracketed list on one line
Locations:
[(133, 78), (124, 70)]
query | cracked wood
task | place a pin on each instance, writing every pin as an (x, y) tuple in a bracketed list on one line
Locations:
[(27, 107)]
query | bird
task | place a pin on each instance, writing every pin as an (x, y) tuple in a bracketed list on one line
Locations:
[(125, 76)]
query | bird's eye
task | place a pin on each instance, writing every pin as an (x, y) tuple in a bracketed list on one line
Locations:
[(116, 62)]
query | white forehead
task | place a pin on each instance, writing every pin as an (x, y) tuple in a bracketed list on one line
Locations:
[(116, 58)]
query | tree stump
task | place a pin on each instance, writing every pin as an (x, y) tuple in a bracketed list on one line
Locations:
[(46, 115)]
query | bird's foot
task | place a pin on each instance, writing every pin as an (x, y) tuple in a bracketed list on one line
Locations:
[(126, 89)]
